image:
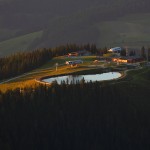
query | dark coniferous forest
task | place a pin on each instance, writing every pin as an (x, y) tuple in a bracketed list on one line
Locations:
[(88, 116), (85, 116), (19, 63)]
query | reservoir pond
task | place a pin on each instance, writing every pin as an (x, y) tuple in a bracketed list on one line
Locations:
[(87, 78)]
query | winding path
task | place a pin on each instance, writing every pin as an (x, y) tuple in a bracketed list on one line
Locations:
[(31, 73), (26, 74)]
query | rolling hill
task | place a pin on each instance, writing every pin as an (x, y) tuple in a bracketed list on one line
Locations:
[(105, 23), (17, 44)]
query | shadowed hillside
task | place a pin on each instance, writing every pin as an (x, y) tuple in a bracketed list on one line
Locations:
[(62, 22)]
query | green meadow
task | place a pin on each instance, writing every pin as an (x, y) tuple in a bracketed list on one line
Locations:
[(140, 76), (18, 44), (129, 31), (49, 69)]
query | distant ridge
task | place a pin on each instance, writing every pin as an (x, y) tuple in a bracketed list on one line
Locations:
[(80, 21)]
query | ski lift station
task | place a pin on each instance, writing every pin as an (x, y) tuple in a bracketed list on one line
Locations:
[(115, 50)]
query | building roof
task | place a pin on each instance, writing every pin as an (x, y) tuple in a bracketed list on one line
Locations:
[(114, 49)]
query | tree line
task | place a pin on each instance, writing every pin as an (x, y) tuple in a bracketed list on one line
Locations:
[(77, 116), (19, 63)]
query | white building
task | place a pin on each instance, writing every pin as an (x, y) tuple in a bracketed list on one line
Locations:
[(115, 50), (74, 62)]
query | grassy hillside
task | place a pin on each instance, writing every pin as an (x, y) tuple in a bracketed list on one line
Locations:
[(20, 43), (130, 31), (48, 69), (81, 21)]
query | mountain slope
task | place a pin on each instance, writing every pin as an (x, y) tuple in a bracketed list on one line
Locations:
[(66, 21), (21, 43)]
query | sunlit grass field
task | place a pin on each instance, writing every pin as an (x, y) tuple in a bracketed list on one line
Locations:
[(141, 76), (49, 69)]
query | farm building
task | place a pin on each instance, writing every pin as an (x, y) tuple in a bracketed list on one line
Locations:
[(74, 62), (79, 53), (73, 54), (129, 59)]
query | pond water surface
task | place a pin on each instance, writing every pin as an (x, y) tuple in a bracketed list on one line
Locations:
[(87, 78)]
